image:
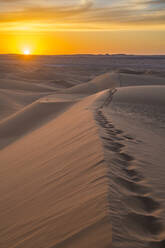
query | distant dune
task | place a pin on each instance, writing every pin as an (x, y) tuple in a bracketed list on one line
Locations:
[(18, 85), (102, 82)]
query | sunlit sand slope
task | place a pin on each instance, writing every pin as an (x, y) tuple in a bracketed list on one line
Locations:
[(12, 101), (30, 118), (16, 94), (53, 185)]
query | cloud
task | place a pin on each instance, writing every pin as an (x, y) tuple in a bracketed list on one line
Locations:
[(156, 1), (97, 13), (42, 12)]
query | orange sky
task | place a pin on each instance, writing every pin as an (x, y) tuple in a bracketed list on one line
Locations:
[(82, 26)]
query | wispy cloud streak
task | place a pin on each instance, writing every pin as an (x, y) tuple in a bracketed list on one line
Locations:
[(101, 13)]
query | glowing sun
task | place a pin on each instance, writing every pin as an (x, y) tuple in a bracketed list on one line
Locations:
[(26, 52)]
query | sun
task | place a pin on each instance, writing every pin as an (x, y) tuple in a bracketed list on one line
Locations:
[(26, 52)]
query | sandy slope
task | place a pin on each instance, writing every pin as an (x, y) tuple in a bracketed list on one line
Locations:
[(12, 101), (133, 131), (150, 95), (53, 186), (29, 118), (16, 94)]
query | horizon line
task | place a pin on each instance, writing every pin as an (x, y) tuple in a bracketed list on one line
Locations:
[(85, 54)]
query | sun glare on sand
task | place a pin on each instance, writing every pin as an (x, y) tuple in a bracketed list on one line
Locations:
[(26, 52)]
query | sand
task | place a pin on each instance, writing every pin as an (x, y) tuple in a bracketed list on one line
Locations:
[(144, 95), (53, 185), (132, 128), (60, 147), (99, 83)]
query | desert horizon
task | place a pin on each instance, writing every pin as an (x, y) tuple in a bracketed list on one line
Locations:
[(84, 54)]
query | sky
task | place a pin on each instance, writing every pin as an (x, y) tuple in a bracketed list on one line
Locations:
[(82, 26)]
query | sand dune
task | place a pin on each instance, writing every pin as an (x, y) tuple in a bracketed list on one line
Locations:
[(29, 118), (53, 185), (60, 84), (43, 110), (99, 83), (140, 79), (12, 101), (152, 95), (25, 86), (16, 94), (56, 195), (133, 134), (7, 106), (56, 161)]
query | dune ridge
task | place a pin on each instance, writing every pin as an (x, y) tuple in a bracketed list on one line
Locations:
[(54, 186), (41, 111)]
